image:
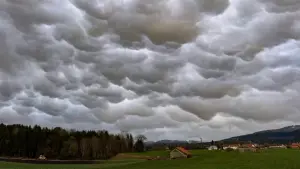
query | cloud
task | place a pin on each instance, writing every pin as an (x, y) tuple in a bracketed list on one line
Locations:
[(168, 69)]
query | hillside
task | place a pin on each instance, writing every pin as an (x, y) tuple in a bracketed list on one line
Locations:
[(282, 135), (171, 142)]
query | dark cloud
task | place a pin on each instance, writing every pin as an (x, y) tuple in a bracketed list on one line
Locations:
[(8, 89), (165, 68)]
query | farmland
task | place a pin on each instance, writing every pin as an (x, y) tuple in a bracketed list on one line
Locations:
[(268, 159)]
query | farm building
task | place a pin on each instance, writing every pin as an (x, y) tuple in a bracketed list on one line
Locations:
[(212, 148), (232, 146), (180, 152), (295, 145), (278, 146), (248, 146), (42, 157)]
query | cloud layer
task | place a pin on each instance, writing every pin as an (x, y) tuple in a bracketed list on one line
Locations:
[(169, 69)]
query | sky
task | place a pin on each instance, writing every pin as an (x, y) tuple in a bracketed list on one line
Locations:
[(168, 69)]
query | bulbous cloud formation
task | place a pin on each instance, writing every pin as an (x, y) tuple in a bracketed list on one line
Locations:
[(169, 69)]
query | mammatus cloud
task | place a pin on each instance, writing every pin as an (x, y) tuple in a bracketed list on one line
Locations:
[(169, 69)]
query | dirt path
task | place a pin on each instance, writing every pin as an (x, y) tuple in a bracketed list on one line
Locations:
[(131, 156)]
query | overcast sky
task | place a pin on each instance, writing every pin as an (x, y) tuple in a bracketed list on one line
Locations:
[(168, 69)]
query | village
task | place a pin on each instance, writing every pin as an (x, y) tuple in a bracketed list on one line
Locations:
[(180, 152)]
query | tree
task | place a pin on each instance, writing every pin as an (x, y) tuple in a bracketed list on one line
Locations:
[(58, 143), (139, 145), (141, 137), (130, 142)]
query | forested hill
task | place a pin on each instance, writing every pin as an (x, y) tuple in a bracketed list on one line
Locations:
[(283, 135), (58, 143)]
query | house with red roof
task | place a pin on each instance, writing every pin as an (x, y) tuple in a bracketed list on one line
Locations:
[(295, 145), (180, 152), (249, 145)]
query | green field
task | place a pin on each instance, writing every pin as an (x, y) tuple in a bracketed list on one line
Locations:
[(268, 159)]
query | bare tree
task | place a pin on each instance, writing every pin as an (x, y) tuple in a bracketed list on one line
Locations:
[(141, 137)]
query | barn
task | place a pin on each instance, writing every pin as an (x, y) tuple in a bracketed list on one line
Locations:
[(180, 152)]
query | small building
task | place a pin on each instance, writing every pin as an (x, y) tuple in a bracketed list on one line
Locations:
[(212, 148), (295, 145), (42, 157), (180, 152), (278, 146), (232, 146), (249, 146)]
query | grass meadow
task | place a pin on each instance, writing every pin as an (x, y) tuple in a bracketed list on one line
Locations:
[(267, 159)]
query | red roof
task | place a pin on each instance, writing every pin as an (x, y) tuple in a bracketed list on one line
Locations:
[(295, 145), (183, 150), (250, 145)]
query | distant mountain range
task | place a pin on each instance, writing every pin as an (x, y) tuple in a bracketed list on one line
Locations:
[(281, 136), (168, 142)]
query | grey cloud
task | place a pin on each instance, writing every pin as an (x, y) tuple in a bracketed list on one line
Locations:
[(10, 116), (118, 111), (25, 111), (247, 105), (146, 17), (153, 122), (79, 114), (281, 6), (47, 88), (179, 115), (213, 6), (89, 101), (10, 38), (160, 68), (51, 107), (8, 89)]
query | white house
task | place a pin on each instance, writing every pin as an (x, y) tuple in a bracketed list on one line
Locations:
[(212, 148), (234, 147), (278, 146), (42, 157)]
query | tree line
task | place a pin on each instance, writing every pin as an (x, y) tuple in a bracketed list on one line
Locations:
[(57, 143)]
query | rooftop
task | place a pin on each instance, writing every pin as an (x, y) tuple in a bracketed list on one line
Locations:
[(183, 150)]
